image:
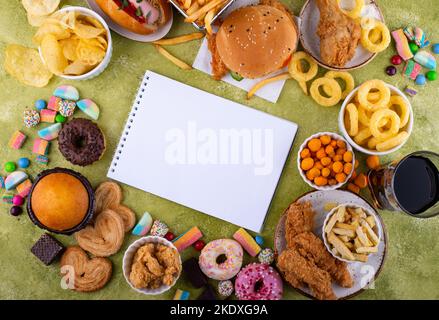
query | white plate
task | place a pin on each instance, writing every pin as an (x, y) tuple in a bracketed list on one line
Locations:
[(363, 274), (309, 20), (160, 33)]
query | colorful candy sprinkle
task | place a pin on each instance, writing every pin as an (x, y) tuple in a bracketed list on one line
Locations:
[(417, 35), (54, 103), (411, 69), (247, 242), (181, 295), (426, 59), (7, 198), (67, 92), (40, 104), (421, 80), (411, 91), (67, 108), (23, 188), (51, 132), (90, 108), (41, 146), (48, 115), (17, 140), (23, 163), (31, 118), (14, 179), (42, 159), (225, 288), (159, 229), (10, 166), (143, 226), (188, 238), (266, 256), (402, 44)]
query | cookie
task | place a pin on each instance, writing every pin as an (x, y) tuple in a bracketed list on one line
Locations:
[(108, 195), (127, 215), (105, 237), (89, 274)]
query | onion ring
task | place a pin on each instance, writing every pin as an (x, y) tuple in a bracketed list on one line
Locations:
[(352, 110), (356, 11), (366, 88), (375, 121), (369, 45), (346, 77), (392, 142), (335, 90), (362, 136), (296, 71), (403, 107)]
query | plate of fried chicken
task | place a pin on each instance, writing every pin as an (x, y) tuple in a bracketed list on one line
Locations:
[(303, 259), (332, 37)]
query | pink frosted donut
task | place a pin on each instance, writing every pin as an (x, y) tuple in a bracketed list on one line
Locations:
[(226, 268), (258, 281)]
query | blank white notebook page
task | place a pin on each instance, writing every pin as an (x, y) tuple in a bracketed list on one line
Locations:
[(202, 151)]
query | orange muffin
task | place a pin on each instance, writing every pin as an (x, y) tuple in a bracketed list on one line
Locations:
[(61, 200)]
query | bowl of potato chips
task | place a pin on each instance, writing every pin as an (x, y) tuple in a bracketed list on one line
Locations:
[(74, 43), (376, 118)]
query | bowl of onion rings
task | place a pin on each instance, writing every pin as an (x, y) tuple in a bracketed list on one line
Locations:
[(376, 118)]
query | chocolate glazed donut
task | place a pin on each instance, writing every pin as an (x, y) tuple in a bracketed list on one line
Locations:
[(81, 142)]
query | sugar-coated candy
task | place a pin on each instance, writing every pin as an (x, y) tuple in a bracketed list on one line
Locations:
[(23, 188), (225, 288), (169, 236), (410, 91), (47, 115), (199, 245), (41, 146), (208, 294), (159, 229), (417, 35), (247, 242), (187, 239), (143, 226), (413, 47), (193, 272), (426, 60), (42, 159), (51, 132), (17, 200), (47, 249), (259, 240), (391, 71), (435, 48), (17, 140), (67, 92), (16, 211), (411, 69), (181, 295), (266, 256), (67, 108), (402, 44), (31, 118), (54, 103), (396, 60), (14, 179), (90, 108), (40, 104), (421, 80), (2, 182), (10, 166), (432, 75), (7, 198), (60, 118), (23, 163)]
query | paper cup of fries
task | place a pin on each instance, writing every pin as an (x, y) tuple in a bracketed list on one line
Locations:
[(351, 233), (81, 47), (382, 139)]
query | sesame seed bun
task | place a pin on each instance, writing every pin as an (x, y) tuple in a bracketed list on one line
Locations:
[(256, 40)]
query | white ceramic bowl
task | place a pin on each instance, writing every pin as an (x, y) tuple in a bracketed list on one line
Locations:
[(104, 63), (378, 228), (129, 256), (303, 146), (341, 125)]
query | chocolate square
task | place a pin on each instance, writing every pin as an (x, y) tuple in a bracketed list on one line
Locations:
[(194, 273), (47, 249)]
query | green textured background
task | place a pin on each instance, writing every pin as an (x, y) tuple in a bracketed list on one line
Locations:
[(411, 268)]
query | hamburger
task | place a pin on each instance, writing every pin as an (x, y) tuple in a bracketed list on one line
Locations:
[(254, 41), (138, 16)]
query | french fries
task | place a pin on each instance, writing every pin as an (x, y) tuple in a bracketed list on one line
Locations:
[(208, 21), (203, 10), (181, 64), (352, 234), (180, 39), (259, 85)]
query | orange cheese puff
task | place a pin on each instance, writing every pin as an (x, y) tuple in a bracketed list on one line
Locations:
[(341, 144), (325, 139), (347, 169), (361, 181), (373, 162), (337, 157), (332, 182), (321, 153), (321, 181), (354, 188), (305, 153), (325, 172), (354, 175), (340, 177), (309, 176), (347, 156), (318, 165), (357, 163), (337, 167), (330, 151), (340, 151), (326, 161), (334, 143), (307, 164), (314, 145), (313, 173)]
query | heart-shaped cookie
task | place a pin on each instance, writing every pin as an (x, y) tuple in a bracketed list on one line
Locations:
[(127, 215), (84, 274), (105, 236)]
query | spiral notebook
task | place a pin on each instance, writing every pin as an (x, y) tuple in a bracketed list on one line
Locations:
[(202, 151)]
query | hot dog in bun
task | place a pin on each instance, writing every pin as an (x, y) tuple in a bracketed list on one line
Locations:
[(139, 16)]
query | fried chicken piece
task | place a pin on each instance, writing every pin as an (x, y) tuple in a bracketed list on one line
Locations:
[(312, 248), (300, 218), (339, 34), (219, 69), (168, 258), (298, 270)]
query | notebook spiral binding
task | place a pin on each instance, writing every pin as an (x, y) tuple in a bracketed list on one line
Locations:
[(130, 121)]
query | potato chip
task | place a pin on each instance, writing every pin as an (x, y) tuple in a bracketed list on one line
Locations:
[(53, 29), (95, 43), (93, 21), (34, 20), (69, 48), (26, 66), (89, 54), (86, 31), (53, 55), (78, 67), (40, 7)]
